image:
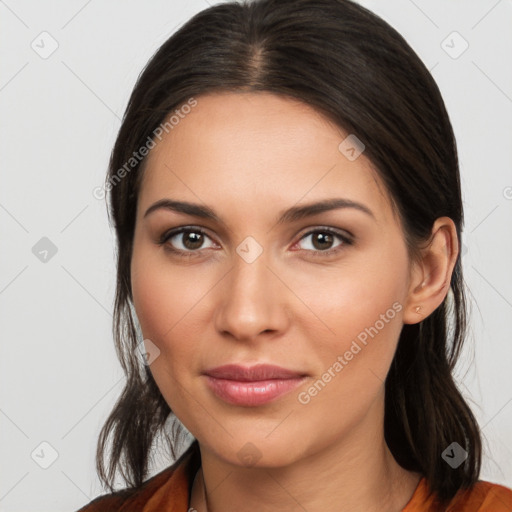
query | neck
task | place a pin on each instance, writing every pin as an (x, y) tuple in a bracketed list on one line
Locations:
[(357, 473)]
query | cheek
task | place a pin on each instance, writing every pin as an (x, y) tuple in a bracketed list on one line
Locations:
[(354, 296), (162, 293), (168, 303), (359, 312), (159, 311), (353, 362)]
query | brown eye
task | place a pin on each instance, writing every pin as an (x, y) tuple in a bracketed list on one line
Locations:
[(186, 240), (324, 241), (192, 240)]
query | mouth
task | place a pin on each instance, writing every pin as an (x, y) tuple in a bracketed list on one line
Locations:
[(252, 386)]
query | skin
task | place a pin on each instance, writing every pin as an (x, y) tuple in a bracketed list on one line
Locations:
[(249, 156)]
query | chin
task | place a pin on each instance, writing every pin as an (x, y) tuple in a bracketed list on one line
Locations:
[(253, 452)]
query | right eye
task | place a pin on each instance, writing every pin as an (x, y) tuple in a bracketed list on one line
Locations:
[(185, 240)]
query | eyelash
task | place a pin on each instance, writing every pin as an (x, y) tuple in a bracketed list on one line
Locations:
[(346, 241)]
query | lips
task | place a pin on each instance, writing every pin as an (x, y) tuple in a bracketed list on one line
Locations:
[(253, 373), (252, 386)]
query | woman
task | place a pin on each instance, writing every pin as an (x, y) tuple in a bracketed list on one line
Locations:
[(286, 198)]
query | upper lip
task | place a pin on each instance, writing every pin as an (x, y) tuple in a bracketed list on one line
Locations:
[(252, 373)]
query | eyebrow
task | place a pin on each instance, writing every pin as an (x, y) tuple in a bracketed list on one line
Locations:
[(290, 215)]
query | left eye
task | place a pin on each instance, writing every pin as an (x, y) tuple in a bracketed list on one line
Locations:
[(323, 240)]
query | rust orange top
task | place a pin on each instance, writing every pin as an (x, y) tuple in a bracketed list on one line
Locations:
[(170, 491)]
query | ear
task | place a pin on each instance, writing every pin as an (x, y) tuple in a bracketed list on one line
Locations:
[(430, 277)]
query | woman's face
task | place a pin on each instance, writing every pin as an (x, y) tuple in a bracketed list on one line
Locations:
[(320, 294)]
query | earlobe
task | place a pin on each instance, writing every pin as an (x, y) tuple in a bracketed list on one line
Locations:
[(432, 274)]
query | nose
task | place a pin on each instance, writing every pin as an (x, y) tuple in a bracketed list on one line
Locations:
[(252, 301)]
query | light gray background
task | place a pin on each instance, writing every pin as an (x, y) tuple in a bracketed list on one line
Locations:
[(59, 118)]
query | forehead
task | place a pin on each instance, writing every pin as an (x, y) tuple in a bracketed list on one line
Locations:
[(260, 149)]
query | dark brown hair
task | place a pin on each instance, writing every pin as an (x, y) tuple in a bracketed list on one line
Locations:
[(356, 69)]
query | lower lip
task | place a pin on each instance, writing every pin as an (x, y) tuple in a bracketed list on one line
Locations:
[(252, 393)]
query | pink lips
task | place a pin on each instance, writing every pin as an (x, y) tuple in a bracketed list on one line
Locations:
[(251, 386)]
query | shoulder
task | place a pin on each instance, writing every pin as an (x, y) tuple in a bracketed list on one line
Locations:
[(129, 499), (172, 485), (483, 497)]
